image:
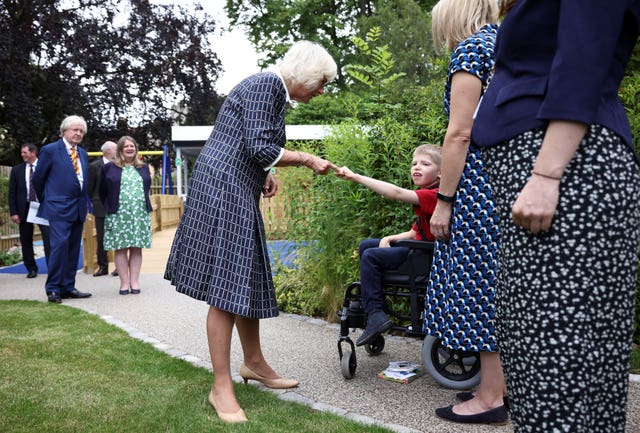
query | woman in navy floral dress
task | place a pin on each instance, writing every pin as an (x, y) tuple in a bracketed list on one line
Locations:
[(459, 306)]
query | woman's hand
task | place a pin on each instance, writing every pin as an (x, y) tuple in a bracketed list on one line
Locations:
[(270, 187), (440, 220), (320, 166), (536, 205)]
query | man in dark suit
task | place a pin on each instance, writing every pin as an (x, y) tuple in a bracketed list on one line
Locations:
[(108, 154), (21, 193), (61, 182)]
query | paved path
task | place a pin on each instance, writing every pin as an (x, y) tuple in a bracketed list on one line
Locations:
[(303, 348)]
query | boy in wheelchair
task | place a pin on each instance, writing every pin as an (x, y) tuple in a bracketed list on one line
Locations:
[(375, 254)]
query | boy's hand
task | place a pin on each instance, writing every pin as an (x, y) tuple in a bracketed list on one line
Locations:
[(344, 173)]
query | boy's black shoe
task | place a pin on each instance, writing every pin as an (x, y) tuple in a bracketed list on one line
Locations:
[(377, 323)]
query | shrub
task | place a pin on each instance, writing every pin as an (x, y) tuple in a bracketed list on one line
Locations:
[(10, 257)]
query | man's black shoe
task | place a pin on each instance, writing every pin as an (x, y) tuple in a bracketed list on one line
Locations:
[(100, 272), (75, 294), (32, 274), (377, 323), (54, 297)]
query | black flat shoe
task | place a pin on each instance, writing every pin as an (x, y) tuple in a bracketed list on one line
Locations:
[(75, 294), (135, 291), (55, 298), (100, 272), (32, 274), (124, 292), (465, 396), (496, 416)]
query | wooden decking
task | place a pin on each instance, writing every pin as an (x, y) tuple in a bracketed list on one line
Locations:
[(154, 259)]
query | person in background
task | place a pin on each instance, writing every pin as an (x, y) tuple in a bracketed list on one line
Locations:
[(21, 194), (219, 253), (375, 254), (559, 154), (95, 170), (61, 184), (124, 191), (459, 304)]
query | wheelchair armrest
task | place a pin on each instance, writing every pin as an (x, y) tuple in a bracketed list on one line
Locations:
[(414, 244)]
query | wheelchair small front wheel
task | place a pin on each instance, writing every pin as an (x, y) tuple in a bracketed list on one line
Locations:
[(376, 346), (348, 364), (454, 369)]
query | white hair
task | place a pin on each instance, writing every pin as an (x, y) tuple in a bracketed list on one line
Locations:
[(68, 121), (308, 64), (107, 145)]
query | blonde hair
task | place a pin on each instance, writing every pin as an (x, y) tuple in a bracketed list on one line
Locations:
[(430, 150), (452, 21), (308, 64), (119, 161)]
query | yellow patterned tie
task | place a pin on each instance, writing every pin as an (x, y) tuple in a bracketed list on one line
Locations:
[(74, 159)]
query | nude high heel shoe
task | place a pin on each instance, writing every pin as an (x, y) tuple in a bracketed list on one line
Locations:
[(247, 374), (235, 417)]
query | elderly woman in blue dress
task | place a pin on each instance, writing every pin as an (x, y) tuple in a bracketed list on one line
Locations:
[(124, 192), (219, 253)]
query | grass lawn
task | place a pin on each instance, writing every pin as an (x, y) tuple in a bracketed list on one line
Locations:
[(635, 359), (65, 370)]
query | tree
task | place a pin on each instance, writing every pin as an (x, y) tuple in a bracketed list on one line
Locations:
[(406, 30), (104, 60), (273, 25)]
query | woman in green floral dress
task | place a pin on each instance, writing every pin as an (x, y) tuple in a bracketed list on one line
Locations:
[(124, 191)]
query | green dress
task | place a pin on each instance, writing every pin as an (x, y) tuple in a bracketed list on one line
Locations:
[(131, 225)]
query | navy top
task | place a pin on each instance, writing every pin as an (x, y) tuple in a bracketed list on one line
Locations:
[(559, 60), (110, 186)]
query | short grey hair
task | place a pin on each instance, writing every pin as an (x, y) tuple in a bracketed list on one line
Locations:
[(108, 144), (73, 120), (309, 64)]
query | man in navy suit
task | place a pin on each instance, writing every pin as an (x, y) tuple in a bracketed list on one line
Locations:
[(21, 193), (61, 182)]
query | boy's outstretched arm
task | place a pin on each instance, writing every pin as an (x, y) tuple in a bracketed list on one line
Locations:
[(385, 189)]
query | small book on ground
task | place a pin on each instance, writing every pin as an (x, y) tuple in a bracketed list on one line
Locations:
[(401, 372)]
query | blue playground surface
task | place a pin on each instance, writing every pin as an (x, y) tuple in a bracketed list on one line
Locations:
[(283, 251)]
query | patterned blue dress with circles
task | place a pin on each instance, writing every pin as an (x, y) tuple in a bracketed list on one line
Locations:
[(459, 304)]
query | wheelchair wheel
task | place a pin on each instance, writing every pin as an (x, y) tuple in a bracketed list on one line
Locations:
[(450, 368), (348, 364), (376, 346)]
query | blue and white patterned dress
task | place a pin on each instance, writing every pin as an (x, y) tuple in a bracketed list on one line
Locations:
[(459, 304), (219, 253)]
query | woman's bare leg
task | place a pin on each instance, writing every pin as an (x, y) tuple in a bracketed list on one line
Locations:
[(219, 328), (249, 333), (135, 263), (122, 266), (491, 390)]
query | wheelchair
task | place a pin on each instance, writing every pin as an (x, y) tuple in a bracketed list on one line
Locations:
[(454, 369)]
